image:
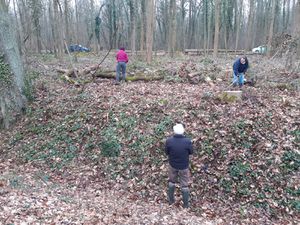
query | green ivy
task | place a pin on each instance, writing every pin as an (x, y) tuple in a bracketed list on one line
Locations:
[(110, 146), (239, 170), (290, 161), (5, 74)]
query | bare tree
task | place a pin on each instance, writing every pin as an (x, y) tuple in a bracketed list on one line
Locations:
[(250, 25), (150, 29), (57, 34), (217, 25), (182, 25), (67, 25), (172, 28), (271, 28), (239, 12), (12, 99), (133, 6), (142, 24)]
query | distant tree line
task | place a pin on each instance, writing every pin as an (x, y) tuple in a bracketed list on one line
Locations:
[(50, 25)]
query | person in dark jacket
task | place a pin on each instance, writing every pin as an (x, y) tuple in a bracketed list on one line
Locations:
[(179, 148), (240, 67)]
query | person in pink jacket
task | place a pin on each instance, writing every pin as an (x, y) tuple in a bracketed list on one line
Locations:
[(122, 59)]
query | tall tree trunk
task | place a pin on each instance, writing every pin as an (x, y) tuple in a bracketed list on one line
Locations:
[(182, 38), (239, 12), (225, 22), (12, 99), (250, 25), (287, 21), (205, 27), (143, 25), (210, 30), (36, 13), (77, 21), (298, 33), (191, 24), (150, 29), (58, 35), (132, 5), (172, 30), (294, 17), (283, 15), (296, 27), (217, 25), (67, 26), (167, 24), (271, 28), (17, 24), (255, 24)]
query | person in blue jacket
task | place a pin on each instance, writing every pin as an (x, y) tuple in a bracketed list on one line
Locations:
[(240, 67), (179, 148)]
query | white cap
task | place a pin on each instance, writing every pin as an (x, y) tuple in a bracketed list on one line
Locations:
[(178, 129)]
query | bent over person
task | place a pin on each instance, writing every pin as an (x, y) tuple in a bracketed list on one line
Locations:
[(178, 148), (240, 67), (122, 59)]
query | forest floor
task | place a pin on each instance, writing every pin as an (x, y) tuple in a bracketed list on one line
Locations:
[(91, 152)]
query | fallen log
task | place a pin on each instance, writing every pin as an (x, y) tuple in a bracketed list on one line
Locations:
[(136, 77), (72, 72), (65, 72)]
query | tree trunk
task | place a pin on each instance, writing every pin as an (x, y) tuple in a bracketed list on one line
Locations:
[(287, 21), (205, 26), (210, 30), (238, 23), (250, 26), (143, 25), (56, 28), (12, 99), (150, 29), (77, 21), (36, 13), (132, 5), (172, 30), (271, 28), (217, 25), (67, 12), (298, 33)]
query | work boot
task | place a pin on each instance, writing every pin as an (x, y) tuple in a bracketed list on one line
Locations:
[(171, 191), (185, 197)]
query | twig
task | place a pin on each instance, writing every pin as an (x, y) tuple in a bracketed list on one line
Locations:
[(93, 74)]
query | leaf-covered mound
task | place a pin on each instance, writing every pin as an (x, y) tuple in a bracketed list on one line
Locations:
[(246, 154)]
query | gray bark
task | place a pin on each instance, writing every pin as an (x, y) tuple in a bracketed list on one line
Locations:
[(150, 29), (217, 21), (12, 99), (271, 28), (172, 30)]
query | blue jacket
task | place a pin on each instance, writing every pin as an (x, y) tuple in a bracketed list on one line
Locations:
[(178, 148), (238, 67)]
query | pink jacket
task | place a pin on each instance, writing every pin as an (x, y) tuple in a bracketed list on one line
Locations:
[(122, 56)]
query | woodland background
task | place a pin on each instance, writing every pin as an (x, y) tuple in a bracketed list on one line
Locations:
[(77, 149)]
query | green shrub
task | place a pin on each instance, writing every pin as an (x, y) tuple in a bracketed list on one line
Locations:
[(110, 146)]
